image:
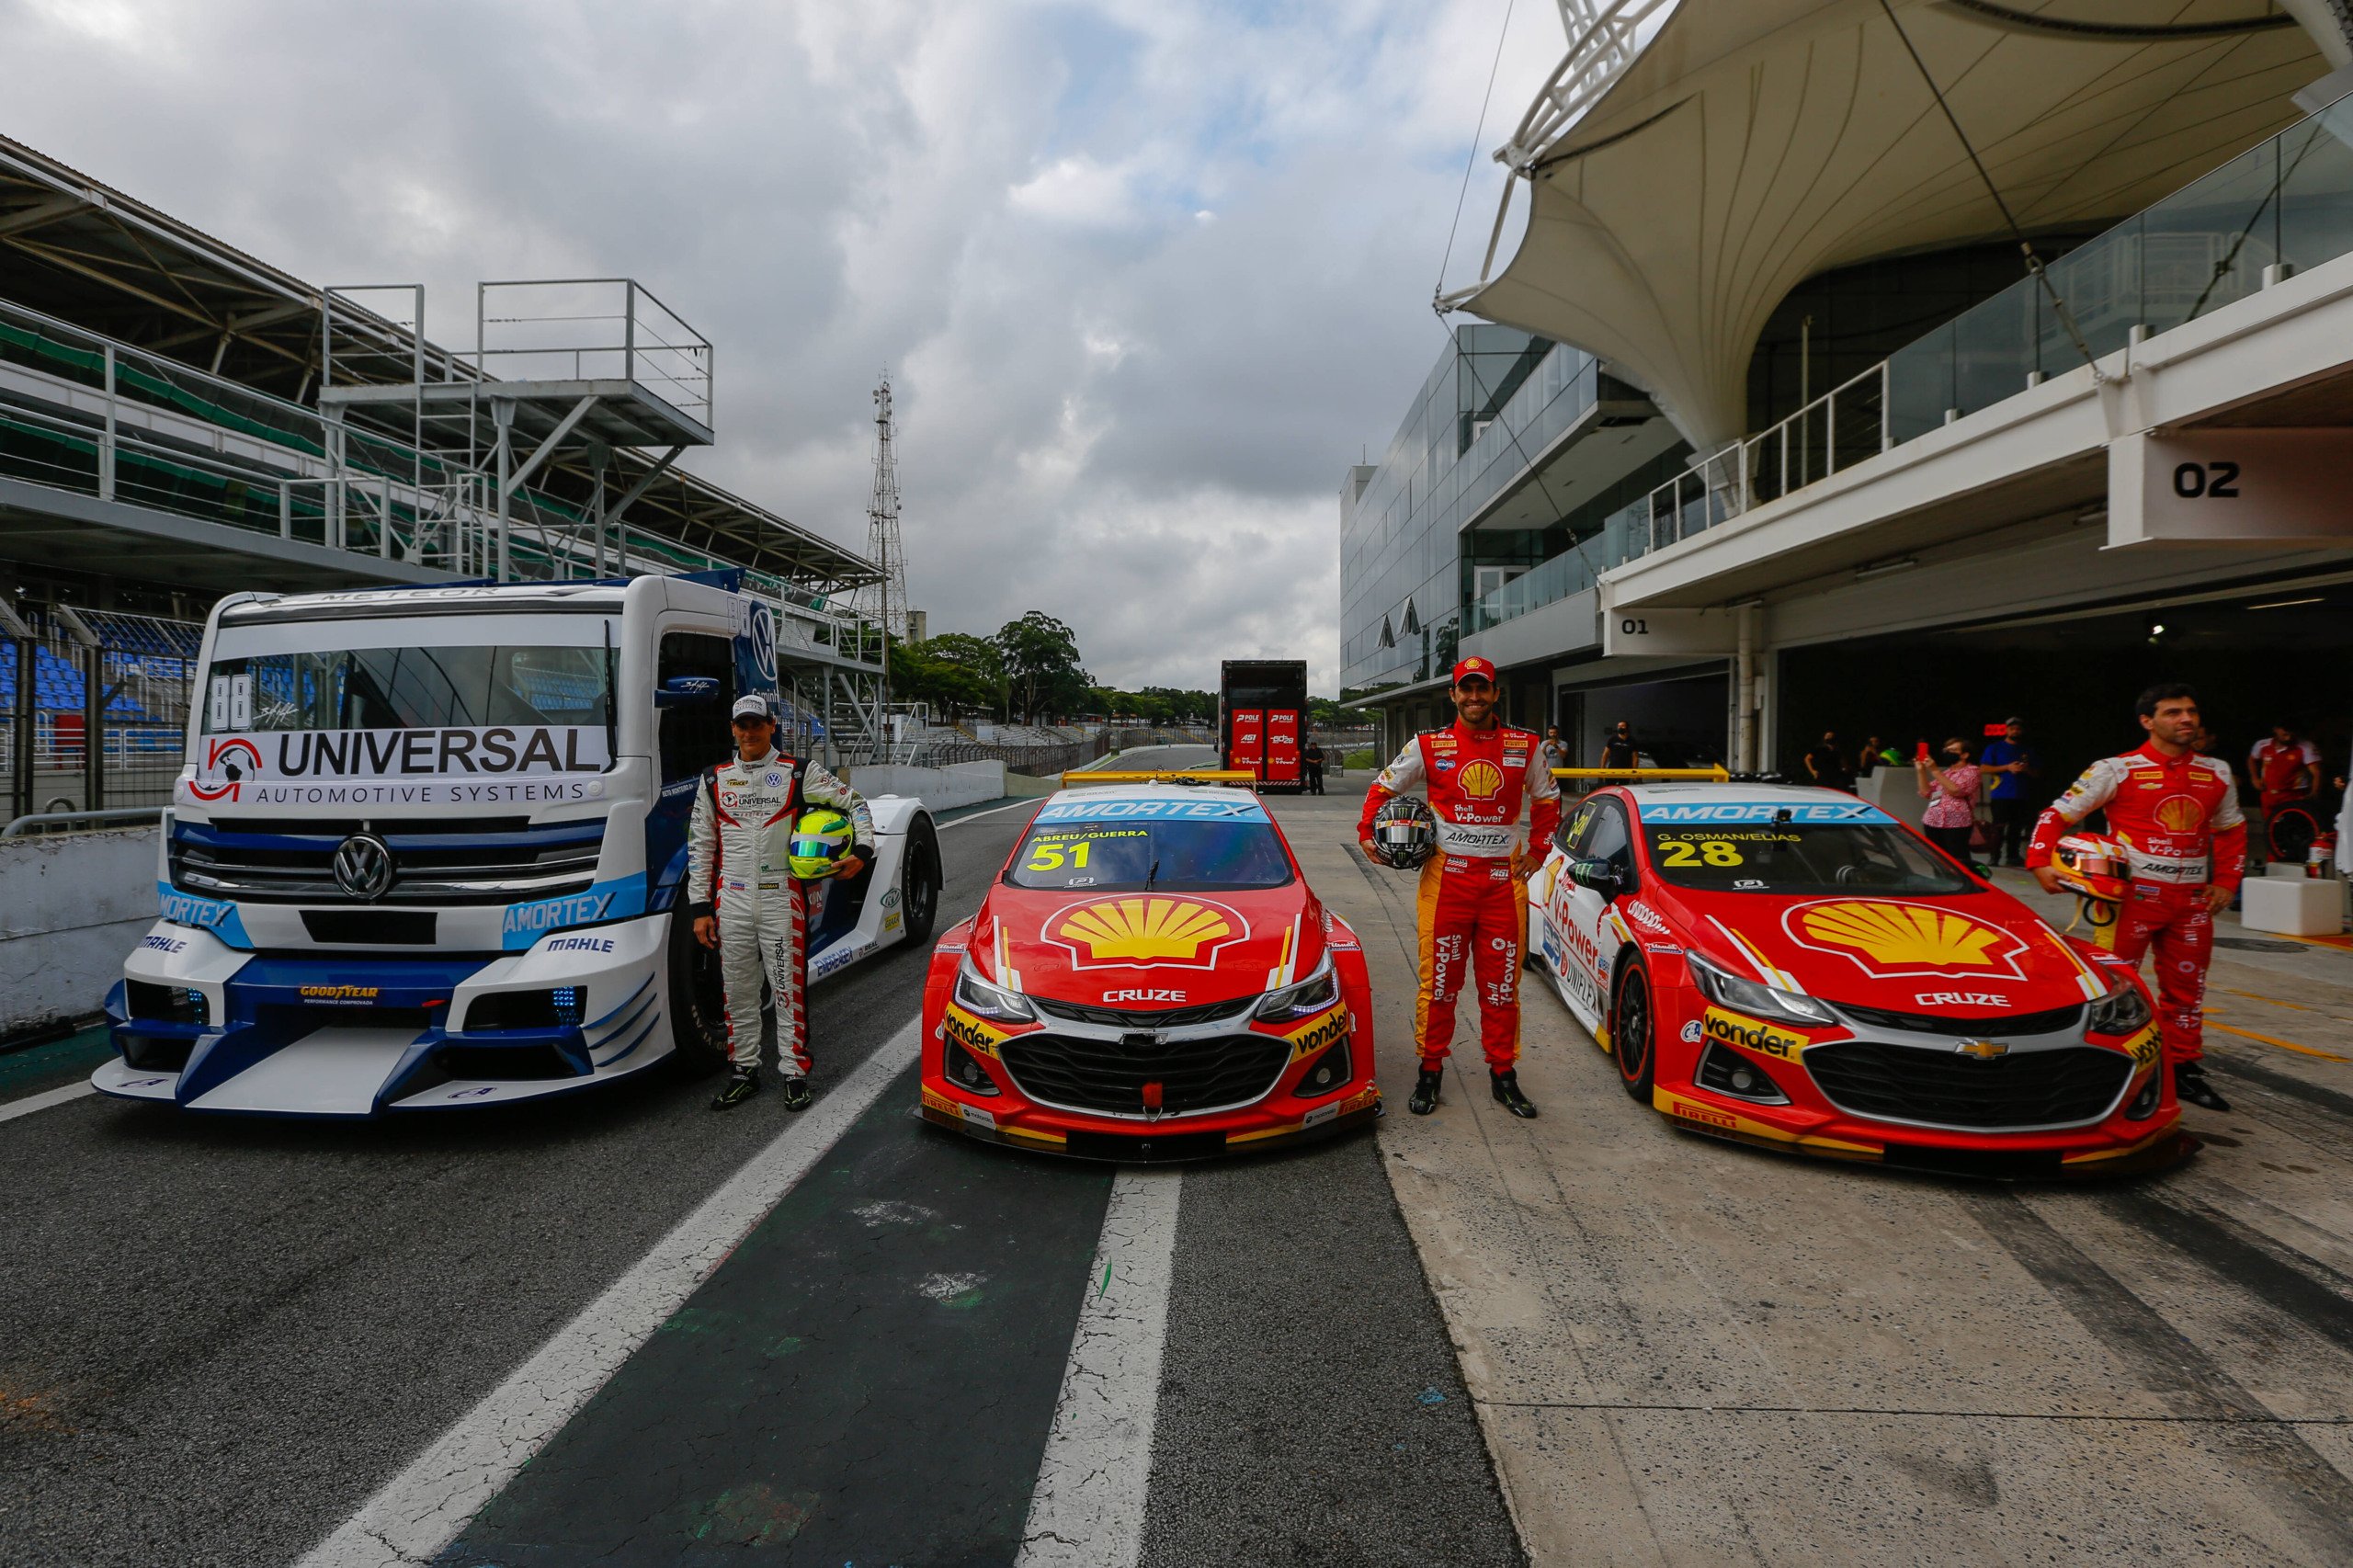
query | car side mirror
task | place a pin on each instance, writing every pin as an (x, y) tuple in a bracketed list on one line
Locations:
[(1600, 876), (687, 691)]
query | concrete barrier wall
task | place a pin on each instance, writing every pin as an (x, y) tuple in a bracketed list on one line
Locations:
[(941, 788), (71, 906)]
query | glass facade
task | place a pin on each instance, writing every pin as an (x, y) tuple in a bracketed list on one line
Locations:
[(1495, 397)]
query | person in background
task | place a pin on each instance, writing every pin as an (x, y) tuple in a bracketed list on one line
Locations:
[(1827, 765), (1950, 788), (2285, 768), (1873, 756), (1556, 751), (2011, 763), (1618, 749), (1314, 757)]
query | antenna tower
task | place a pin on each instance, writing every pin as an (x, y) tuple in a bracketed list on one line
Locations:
[(885, 602)]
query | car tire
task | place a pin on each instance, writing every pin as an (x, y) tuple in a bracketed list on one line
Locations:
[(1633, 1032), (698, 1001), (920, 881)]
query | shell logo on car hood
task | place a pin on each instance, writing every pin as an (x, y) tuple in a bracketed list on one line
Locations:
[(1141, 931), (1884, 936)]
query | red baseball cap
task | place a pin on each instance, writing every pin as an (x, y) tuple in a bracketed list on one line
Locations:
[(1484, 668)]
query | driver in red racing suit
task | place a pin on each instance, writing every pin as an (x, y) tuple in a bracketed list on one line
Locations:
[(2178, 814), (1480, 778)]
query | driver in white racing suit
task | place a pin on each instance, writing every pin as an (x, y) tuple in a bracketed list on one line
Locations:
[(745, 901)]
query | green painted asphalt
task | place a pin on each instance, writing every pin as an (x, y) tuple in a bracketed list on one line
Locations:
[(34, 1069)]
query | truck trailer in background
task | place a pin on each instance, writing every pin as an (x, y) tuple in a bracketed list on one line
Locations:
[(1262, 719)]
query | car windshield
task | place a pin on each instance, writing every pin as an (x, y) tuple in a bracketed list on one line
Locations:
[(1798, 857), (1127, 855)]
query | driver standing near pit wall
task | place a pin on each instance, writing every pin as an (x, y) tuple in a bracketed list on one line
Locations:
[(1492, 790), (2177, 813), (744, 900)]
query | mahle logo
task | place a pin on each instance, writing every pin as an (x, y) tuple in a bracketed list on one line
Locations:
[(1144, 932)]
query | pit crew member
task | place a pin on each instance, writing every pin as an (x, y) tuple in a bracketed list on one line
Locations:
[(744, 900), (2178, 812), (1496, 805), (2286, 769)]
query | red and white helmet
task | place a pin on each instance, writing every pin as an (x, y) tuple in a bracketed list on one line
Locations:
[(2095, 865)]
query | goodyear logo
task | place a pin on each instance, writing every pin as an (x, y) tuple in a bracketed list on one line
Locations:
[(1142, 932), (1482, 780), (1314, 1035), (338, 993), (1885, 936), (969, 1032), (1733, 1029)]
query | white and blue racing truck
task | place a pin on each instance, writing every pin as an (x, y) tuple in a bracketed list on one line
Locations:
[(429, 845)]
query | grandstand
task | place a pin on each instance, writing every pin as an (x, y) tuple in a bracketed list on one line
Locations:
[(179, 419)]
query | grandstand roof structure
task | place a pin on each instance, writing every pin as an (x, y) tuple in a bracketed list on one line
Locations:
[(1685, 181), (78, 250)]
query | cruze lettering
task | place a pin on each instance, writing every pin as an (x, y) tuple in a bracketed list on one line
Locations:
[(1960, 999)]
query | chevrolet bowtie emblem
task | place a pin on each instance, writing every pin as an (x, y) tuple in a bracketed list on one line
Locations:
[(1983, 1049)]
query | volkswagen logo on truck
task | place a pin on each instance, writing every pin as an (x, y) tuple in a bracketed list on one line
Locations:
[(363, 866)]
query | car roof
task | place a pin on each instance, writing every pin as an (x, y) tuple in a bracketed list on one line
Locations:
[(1734, 795), (1152, 792)]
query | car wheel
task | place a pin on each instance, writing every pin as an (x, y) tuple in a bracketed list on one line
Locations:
[(919, 881), (698, 1000), (1634, 1033)]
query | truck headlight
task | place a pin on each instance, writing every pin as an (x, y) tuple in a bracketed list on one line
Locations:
[(984, 999), (1727, 989), (1310, 997), (2122, 1011)]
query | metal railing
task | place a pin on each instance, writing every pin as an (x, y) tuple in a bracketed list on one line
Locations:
[(579, 329), (92, 708), (2279, 208)]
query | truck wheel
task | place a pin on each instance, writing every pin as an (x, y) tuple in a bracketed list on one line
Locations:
[(698, 1001), (919, 881)]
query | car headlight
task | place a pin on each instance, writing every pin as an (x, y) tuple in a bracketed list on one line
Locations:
[(1311, 995), (2122, 1011), (983, 999), (1728, 990)]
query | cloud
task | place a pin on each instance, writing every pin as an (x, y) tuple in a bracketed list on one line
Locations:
[(1148, 275)]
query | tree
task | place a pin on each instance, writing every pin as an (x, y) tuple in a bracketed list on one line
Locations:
[(1040, 657), (956, 672)]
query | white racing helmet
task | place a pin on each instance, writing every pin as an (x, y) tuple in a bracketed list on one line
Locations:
[(1403, 832)]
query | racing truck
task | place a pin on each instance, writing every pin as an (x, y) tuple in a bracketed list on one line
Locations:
[(429, 843), (1262, 720)]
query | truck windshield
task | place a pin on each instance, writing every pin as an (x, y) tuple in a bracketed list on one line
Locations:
[(442, 685)]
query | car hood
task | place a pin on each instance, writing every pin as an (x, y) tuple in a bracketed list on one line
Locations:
[(1983, 953), (1148, 950)]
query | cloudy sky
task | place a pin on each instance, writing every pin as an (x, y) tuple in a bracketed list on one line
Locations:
[(1148, 274)]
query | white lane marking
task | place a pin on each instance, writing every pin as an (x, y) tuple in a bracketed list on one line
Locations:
[(1087, 1510), (992, 810), (32, 1103), (420, 1511)]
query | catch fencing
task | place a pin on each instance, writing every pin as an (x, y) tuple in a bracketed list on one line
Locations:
[(93, 707)]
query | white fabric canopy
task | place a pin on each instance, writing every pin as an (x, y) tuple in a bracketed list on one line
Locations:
[(1757, 142)]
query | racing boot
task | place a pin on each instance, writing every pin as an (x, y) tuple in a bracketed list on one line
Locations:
[(2189, 1083), (796, 1094), (1426, 1089), (1508, 1094), (742, 1086)]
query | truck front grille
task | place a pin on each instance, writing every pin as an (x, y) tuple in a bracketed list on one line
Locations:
[(432, 862)]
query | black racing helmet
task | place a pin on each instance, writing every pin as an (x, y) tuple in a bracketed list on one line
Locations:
[(1403, 832)]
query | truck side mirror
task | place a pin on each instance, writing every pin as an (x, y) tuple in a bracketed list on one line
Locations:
[(1598, 875), (687, 691)]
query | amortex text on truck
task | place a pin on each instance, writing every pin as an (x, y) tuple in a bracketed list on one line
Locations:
[(428, 843)]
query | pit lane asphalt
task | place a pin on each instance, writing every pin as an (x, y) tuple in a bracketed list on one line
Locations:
[(219, 1337)]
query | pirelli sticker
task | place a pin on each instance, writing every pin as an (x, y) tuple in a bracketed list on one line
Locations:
[(972, 1034), (1725, 1123), (1317, 1033), (1749, 1034)]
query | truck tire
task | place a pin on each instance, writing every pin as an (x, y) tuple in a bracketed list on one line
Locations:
[(919, 879), (698, 1001)]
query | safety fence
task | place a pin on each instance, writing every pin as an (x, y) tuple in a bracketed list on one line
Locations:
[(93, 707)]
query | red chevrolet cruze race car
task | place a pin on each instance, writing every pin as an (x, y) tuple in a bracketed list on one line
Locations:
[(1794, 968), (1150, 978)]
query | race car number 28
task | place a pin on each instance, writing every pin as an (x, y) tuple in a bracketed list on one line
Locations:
[(1702, 852)]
